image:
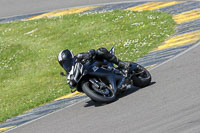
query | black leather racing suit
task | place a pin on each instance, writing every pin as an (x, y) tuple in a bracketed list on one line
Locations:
[(100, 54)]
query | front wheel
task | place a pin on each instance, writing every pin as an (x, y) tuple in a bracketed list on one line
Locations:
[(142, 77), (105, 95)]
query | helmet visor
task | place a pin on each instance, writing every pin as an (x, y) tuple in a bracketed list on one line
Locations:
[(67, 65)]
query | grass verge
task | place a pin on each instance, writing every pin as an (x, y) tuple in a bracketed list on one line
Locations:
[(29, 72)]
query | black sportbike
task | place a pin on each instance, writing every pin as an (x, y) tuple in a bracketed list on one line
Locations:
[(102, 81)]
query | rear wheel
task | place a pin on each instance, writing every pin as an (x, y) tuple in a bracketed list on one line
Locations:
[(105, 95), (142, 77)]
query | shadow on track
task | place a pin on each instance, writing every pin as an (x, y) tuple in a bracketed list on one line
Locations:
[(126, 93)]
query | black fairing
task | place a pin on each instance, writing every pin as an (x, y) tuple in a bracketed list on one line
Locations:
[(94, 69)]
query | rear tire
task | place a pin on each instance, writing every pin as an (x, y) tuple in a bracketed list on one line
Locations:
[(143, 79), (87, 89)]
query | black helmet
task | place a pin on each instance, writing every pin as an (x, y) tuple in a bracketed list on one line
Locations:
[(65, 59)]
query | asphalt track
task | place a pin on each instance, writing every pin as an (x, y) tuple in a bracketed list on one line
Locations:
[(10, 8), (170, 104)]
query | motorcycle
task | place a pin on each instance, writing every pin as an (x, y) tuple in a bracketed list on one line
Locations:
[(102, 81)]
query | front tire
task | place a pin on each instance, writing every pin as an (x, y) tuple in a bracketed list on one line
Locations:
[(142, 78), (95, 96)]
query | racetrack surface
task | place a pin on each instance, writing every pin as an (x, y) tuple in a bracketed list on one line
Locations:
[(10, 8), (170, 104)]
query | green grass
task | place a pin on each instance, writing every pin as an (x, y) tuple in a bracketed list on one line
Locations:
[(29, 72)]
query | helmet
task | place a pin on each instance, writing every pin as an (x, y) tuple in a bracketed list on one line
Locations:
[(65, 59)]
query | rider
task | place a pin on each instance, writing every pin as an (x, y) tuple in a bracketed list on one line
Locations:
[(67, 60)]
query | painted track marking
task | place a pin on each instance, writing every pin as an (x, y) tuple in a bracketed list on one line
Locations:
[(180, 40), (6, 128), (153, 5), (63, 12), (76, 93), (187, 16)]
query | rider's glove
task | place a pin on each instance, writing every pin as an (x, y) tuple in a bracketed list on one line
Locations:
[(92, 52)]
